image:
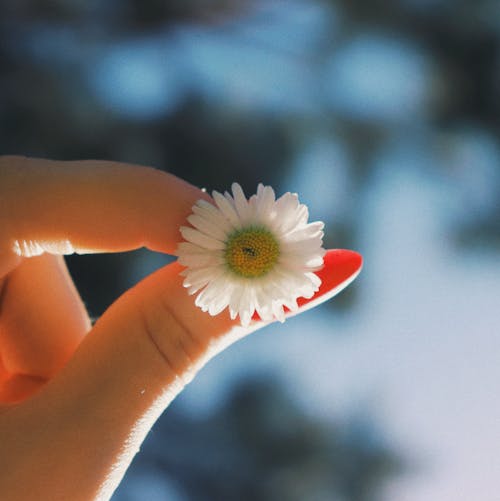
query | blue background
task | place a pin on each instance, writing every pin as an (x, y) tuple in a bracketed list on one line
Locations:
[(384, 117)]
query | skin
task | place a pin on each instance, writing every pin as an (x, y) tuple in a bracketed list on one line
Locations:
[(77, 401)]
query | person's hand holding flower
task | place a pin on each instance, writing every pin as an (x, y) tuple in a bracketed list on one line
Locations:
[(77, 400)]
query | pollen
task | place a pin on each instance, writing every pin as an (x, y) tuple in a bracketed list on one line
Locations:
[(251, 252)]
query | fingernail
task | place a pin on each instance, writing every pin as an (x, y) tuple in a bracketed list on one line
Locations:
[(341, 267)]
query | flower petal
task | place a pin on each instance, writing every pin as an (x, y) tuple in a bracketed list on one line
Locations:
[(211, 213), (241, 203), (292, 278), (198, 238), (309, 232), (226, 208), (207, 227), (265, 201)]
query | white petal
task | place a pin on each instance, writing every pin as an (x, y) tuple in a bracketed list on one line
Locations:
[(218, 305), (278, 311), (212, 214), (286, 205), (310, 231), (301, 247), (316, 281), (302, 214), (208, 227), (221, 298), (290, 214), (291, 303), (246, 317), (295, 282), (226, 208), (240, 202), (246, 307), (198, 238), (263, 304), (265, 201), (214, 294), (193, 289), (234, 302), (196, 276), (295, 217), (306, 262)]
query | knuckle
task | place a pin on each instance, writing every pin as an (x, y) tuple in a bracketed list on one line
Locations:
[(174, 340)]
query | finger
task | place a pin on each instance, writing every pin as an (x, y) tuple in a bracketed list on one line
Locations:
[(42, 319), (89, 206), (138, 356), (17, 387), (160, 311), (3, 371)]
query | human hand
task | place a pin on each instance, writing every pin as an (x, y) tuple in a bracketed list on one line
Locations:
[(77, 401)]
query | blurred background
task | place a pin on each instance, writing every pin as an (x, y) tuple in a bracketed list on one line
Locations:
[(384, 117)]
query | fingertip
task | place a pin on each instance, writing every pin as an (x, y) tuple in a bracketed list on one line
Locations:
[(340, 268), (90, 206)]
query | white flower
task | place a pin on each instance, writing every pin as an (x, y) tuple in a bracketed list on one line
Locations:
[(257, 255)]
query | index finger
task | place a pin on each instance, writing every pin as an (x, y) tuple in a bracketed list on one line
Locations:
[(89, 206)]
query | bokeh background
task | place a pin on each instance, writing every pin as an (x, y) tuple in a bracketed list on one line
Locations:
[(384, 117)]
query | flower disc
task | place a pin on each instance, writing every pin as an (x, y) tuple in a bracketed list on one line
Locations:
[(257, 255), (251, 252)]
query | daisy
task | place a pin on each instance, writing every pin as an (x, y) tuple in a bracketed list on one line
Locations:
[(253, 256)]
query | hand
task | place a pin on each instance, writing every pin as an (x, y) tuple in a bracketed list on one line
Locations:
[(77, 401)]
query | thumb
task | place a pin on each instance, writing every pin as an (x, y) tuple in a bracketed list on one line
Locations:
[(136, 359), (99, 407)]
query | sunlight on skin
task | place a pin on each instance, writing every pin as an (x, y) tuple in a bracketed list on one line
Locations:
[(94, 393)]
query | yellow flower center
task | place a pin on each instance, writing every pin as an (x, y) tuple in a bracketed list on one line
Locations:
[(251, 252)]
